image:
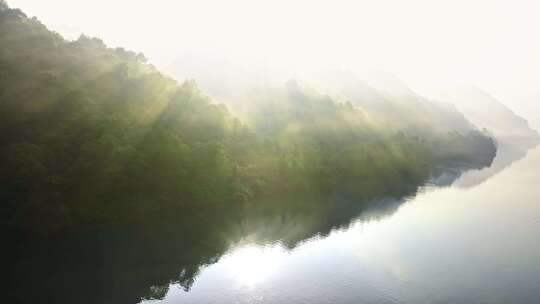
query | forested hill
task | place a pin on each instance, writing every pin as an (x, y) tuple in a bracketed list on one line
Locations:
[(90, 134), (87, 131)]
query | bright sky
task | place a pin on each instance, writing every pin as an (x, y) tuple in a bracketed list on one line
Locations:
[(428, 43)]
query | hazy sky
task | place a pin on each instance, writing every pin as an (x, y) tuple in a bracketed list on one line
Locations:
[(489, 43)]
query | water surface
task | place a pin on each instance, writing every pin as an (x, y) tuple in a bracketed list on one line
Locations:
[(478, 243), (465, 236)]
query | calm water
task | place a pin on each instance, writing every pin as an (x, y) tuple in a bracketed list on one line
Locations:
[(471, 237), (477, 241)]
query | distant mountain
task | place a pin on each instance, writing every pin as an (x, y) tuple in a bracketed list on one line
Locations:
[(389, 99), (485, 111)]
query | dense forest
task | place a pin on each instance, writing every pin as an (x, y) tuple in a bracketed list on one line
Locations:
[(91, 135)]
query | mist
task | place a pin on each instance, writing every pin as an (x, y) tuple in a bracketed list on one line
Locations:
[(431, 45)]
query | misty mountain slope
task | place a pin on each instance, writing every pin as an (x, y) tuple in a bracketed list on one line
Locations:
[(388, 100), (487, 112), (92, 135), (383, 98)]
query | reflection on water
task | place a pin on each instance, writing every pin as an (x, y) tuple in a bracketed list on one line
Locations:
[(251, 264), (507, 154), (474, 243), (451, 245)]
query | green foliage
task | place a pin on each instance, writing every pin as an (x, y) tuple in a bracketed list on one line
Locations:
[(91, 134)]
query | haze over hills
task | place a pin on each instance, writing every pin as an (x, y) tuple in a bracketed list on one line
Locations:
[(386, 99), (387, 96), (485, 111), (389, 101), (91, 134), (375, 90), (513, 132), (462, 108)]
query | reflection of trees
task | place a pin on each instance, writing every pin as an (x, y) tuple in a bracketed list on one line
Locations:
[(509, 151), (130, 263)]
